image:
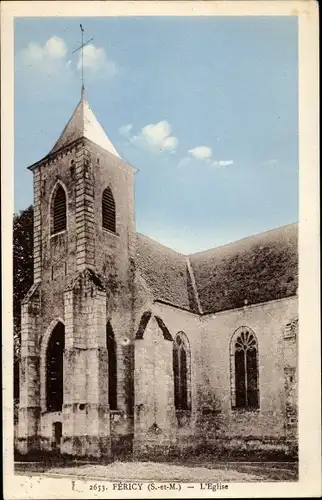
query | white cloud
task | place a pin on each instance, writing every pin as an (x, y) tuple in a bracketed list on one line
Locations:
[(158, 135), (154, 136), (96, 61), (204, 154), (126, 129), (222, 163), (201, 152), (47, 58), (46, 64), (55, 47), (50, 59), (186, 160)]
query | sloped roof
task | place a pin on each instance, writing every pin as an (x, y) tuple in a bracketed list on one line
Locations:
[(83, 123), (250, 271), (165, 272), (256, 269)]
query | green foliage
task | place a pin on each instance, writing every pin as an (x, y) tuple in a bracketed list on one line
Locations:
[(22, 266)]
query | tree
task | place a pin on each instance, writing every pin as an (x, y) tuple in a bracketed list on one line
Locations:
[(22, 276)]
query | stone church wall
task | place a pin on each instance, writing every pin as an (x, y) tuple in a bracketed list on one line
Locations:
[(178, 320), (291, 384), (212, 423), (239, 428), (159, 429)]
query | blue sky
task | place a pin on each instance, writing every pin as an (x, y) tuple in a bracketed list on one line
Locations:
[(204, 107)]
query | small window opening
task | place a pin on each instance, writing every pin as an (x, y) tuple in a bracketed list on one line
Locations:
[(112, 367), (57, 434)]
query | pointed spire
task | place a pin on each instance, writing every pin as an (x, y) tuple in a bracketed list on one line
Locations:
[(84, 123)]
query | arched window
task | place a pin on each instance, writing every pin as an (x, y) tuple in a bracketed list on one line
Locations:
[(108, 211), (54, 369), (59, 211), (244, 368), (112, 373), (181, 372)]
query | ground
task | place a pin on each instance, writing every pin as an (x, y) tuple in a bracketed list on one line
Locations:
[(196, 471)]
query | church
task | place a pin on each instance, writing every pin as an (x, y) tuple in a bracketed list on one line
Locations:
[(128, 346)]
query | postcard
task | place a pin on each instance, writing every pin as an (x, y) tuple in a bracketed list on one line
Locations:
[(160, 215)]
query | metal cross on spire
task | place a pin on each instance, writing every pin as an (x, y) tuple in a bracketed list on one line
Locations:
[(81, 47)]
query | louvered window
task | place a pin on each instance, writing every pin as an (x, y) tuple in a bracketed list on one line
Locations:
[(108, 211), (59, 211)]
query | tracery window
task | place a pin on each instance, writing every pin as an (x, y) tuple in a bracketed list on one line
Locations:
[(108, 211), (244, 367), (112, 367), (182, 372), (59, 211)]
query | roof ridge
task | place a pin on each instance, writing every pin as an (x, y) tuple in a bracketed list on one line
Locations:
[(160, 244), (193, 284), (293, 224)]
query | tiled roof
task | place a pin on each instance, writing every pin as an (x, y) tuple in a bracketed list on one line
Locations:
[(256, 269), (165, 272)]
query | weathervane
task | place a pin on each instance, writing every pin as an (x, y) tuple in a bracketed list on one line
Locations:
[(81, 47)]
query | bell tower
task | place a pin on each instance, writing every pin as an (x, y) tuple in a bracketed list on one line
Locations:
[(84, 234)]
